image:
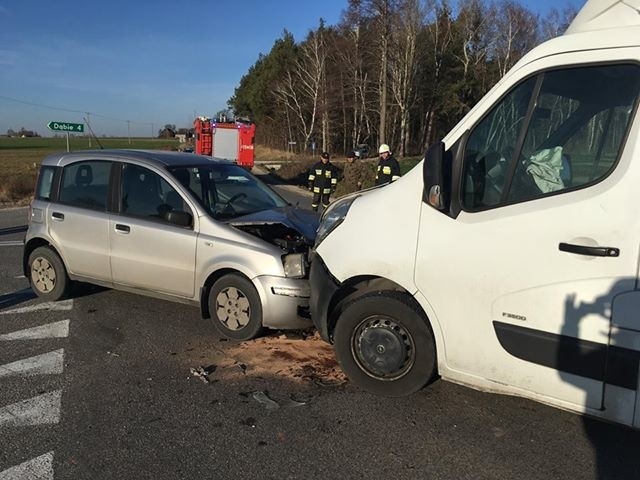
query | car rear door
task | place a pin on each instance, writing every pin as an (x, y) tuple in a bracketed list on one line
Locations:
[(78, 221)]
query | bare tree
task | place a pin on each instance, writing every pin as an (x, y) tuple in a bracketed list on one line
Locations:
[(515, 33), (403, 63), (555, 23), (382, 11), (440, 39), (299, 90)]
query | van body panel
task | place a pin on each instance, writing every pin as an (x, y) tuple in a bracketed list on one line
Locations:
[(532, 295)]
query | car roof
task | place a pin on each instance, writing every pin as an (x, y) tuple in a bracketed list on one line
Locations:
[(159, 158)]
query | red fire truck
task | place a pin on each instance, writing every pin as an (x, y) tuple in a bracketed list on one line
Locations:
[(227, 140)]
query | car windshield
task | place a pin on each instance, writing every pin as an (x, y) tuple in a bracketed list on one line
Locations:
[(227, 191)]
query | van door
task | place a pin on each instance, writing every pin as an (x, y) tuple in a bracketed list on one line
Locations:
[(548, 235), (622, 399)]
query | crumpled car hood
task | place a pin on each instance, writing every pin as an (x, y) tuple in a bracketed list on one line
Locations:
[(303, 221)]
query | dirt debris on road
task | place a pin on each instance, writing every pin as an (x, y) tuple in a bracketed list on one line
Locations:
[(298, 357)]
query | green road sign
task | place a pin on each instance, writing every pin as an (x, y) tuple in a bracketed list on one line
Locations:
[(66, 127)]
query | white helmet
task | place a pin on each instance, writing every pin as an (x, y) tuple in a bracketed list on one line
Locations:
[(384, 148)]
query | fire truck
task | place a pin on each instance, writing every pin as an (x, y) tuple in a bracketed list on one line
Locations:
[(227, 140)]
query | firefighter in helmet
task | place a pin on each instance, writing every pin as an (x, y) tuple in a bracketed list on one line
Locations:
[(388, 167), (323, 179)]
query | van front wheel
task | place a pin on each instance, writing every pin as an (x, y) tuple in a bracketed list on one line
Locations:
[(385, 345)]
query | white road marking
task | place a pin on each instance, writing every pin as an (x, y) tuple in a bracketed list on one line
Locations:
[(40, 410), (50, 330), (46, 364), (63, 305), (19, 276), (39, 468)]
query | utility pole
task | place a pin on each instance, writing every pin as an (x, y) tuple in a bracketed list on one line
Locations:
[(89, 125), (152, 129), (129, 130)]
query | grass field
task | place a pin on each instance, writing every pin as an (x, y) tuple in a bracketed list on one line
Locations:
[(21, 157)]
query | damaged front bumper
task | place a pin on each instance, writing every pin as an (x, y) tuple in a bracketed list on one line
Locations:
[(285, 301)]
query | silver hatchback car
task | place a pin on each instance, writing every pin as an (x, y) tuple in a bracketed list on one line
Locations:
[(177, 226)]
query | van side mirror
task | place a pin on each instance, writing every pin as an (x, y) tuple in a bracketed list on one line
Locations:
[(435, 192)]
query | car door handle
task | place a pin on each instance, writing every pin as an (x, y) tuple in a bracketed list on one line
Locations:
[(591, 251), (57, 216), (122, 228)]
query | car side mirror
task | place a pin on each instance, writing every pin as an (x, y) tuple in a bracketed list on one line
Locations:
[(178, 217), (435, 192)]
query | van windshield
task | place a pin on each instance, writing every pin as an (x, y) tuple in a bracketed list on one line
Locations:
[(227, 191)]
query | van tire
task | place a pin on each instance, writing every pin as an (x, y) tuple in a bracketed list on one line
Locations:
[(235, 307), (47, 274), (385, 345)]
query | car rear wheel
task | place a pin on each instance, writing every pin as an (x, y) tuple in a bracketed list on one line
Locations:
[(385, 345), (47, 274), (235, 307)]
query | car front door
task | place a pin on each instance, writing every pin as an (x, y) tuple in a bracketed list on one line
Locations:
[(547, 237), (147, 251)]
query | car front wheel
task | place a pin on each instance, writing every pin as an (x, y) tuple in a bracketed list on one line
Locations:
[(47, 274), (235, 307), (385, 345)]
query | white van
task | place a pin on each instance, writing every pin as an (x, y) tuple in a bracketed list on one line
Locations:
[(508, 259)]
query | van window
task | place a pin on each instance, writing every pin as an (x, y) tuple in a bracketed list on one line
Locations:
[(144, 193), (85, 184), (490, 147), (45, 183), (574, 136)]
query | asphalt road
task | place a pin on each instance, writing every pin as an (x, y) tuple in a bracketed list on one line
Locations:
[(111, 394)]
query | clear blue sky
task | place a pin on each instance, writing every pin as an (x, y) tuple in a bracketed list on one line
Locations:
[(147, 62)]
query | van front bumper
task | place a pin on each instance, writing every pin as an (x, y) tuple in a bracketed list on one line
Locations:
[(285, 301), (323, 289)]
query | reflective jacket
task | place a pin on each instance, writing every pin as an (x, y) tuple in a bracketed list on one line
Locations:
[(388, 171), (323, 177)]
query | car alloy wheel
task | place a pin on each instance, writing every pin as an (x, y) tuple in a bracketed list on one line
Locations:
[(233, 308)]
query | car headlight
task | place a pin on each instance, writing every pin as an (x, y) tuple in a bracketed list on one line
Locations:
[(294, 265), (333, 217)]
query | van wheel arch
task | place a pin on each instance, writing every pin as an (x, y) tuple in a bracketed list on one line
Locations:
[(357, 287)]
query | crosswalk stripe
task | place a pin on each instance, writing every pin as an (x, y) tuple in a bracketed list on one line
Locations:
[(39, 468), (40, 410), (50, 330), (63, 305), (46, 364)]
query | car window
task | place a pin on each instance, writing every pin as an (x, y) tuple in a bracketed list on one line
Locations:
[(227, 191), (574, 135), (45, 183), (145, 193), (85, 184)]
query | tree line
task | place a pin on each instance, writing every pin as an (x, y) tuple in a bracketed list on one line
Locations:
[(401, 72)]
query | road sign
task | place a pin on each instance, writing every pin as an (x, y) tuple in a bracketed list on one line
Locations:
[(66, 127)]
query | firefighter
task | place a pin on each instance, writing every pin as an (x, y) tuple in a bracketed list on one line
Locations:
[(388, 167), (323, 179)]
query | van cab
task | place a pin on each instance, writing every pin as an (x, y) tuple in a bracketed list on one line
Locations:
[(177, 226), (507, 260)]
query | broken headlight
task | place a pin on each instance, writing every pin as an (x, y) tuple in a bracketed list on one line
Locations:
[(295, 265)]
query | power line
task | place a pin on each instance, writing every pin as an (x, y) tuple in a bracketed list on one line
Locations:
[(42, 105)]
